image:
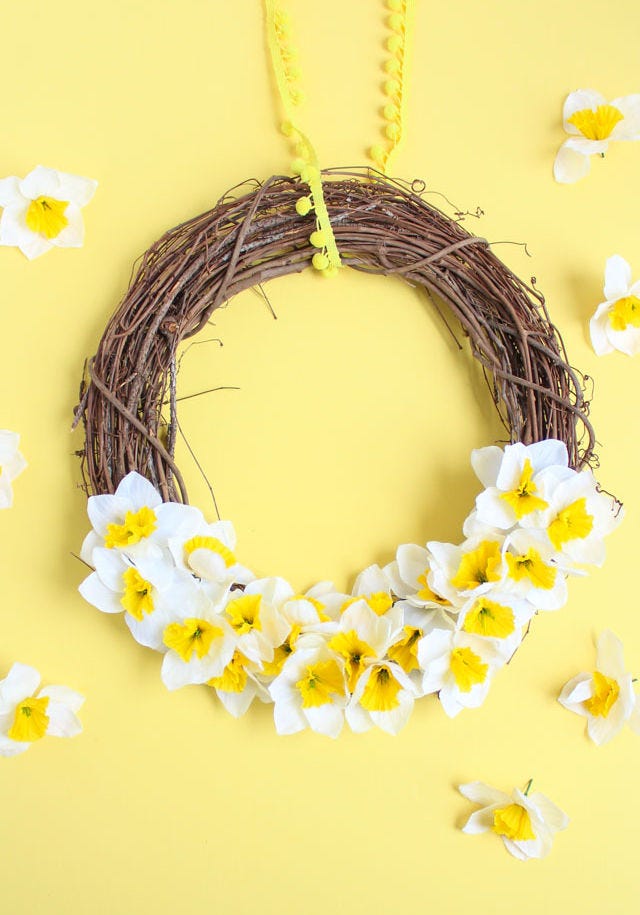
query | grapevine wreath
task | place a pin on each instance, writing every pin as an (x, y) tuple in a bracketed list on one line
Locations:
[(439, 619)]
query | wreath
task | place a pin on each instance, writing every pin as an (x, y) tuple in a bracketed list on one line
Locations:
[(438, 619)]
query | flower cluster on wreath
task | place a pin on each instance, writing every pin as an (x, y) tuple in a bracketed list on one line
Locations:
[(439, 619)]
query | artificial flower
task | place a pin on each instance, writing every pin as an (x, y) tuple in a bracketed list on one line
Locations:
[(473, 567), (383, 696), (498, 617), (577, 519), (254, 615), (606, 697), (363, 637), (12, 464), (199, 641), (525, 822), (146, 592), (372, 586), (531, 572), (593, 123), (237, 685), (135, 520), (305, 614), (458, 667), (408, 577), (27, 715), (42, 211), (311, 690), (207, 550), (616, 322), (513, 481)]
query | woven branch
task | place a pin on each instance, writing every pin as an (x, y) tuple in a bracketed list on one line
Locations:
[(254, 234)]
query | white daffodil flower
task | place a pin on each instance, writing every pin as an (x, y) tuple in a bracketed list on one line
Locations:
[(146, 592), (616, 322), (135, 520), (373, 586), (12, 464), (305, 614), (577, 519), (473, 567), (42, 211), (458, 667), (237, 685), (408, 577), (27, 715), (311, 691), (606, 697), (513, 481), (498, 617), (255, 617), (363, 637), (384, 697), (525, 822), (531, 572), (199, 643), (206, 550), (593, 123), (417, 622)]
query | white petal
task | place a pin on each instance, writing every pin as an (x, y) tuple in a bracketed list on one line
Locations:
[(326, 719), (480, 821), (10, 747), (483, 794), (626, 341), (138, 492), (629, 127), (617, 278), (288, 718), (104, 510), (486, 464), (72, 236), (97, 594), (65, 695), (575, 692), (610, 655), (10, 192), (62, 721), (20, 682), (598, 329), (41, 182), (15, 232), (554, 818), (570, 166), (76, 189)]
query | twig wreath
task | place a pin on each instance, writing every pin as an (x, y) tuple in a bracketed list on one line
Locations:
[(441, 619)]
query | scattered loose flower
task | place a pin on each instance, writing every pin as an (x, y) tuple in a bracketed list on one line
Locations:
[(26, 714), (606, 697), (525, 822), (42, 211), (12, 464), (592, 123), (441, 618), (616, 322)]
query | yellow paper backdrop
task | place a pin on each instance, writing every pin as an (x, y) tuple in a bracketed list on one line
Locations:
[(351, 434)]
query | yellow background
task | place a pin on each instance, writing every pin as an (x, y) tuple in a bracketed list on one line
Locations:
[(351, 434)]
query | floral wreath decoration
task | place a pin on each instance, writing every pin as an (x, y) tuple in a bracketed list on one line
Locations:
[(439, 619)]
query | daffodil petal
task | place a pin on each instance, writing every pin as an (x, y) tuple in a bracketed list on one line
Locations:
[(15, 233), (598, 326), (617, 278), (629, 127), (481, 793), (20, 682), (610, 655), (10, 192), (570, 166)]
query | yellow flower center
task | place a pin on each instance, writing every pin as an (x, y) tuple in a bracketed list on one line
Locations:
[(194, 636), (30, 721), (380, 602), (354, 651), (523, 499), (625, 312), (467, 668), (319, 606), (320, 682), (137, 526), (381, 692), (572, 523), (513, 822), (596, 124), (244, 613), (478, 566), (281, 653), (212, 544), (234, 677), (137, 598), (405, 652), (427, 594), (605, 693), (530, 565), (45, 216), (489, 618)]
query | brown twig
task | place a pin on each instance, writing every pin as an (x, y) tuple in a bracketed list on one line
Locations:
[(381, 226)]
